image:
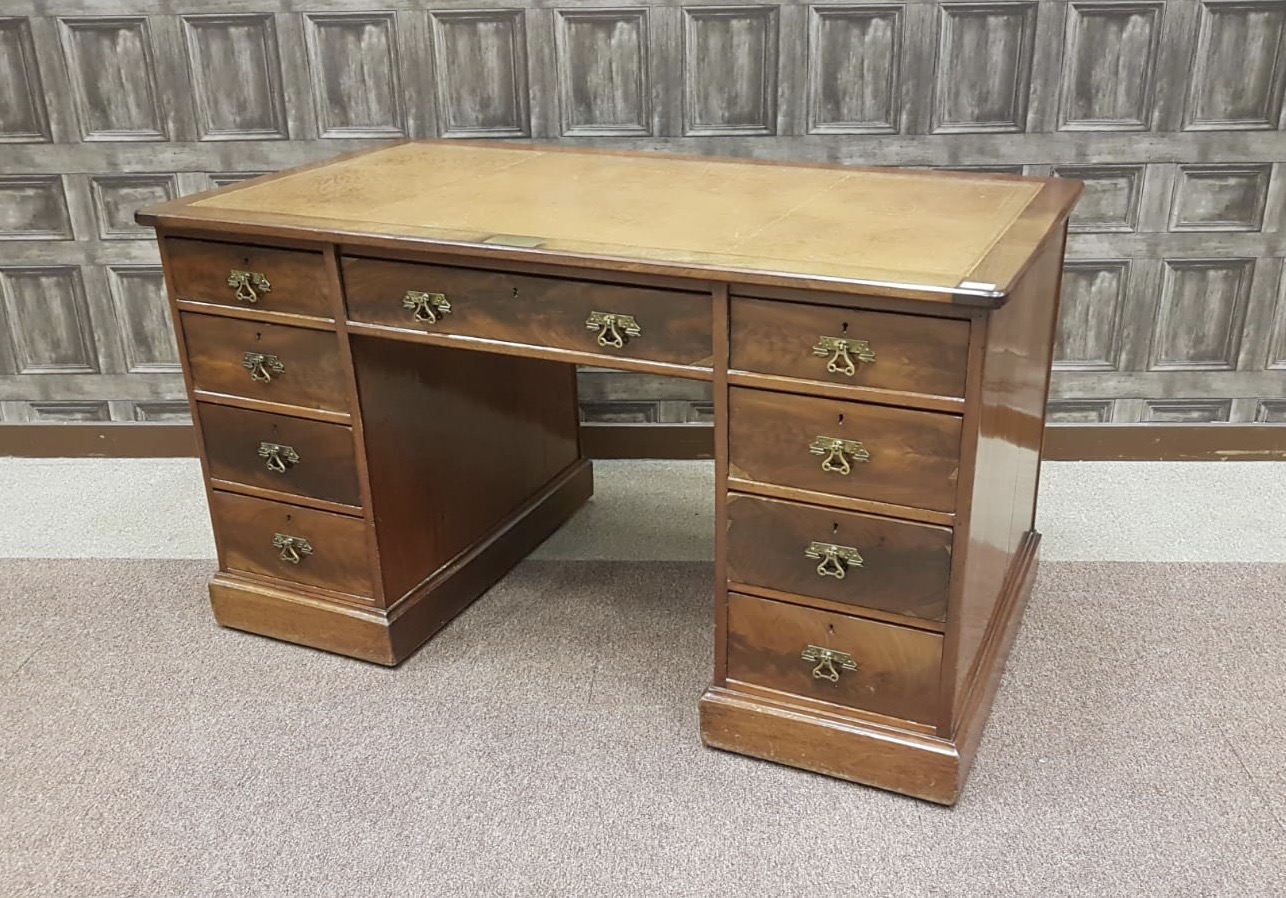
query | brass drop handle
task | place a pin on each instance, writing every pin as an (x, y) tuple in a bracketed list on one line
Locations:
[(614, 330), (845, 354), (279, 457), (839, 455), (262, 367), (248, 285), (426, 308), (832, 560), (830, 663), (293, 548)]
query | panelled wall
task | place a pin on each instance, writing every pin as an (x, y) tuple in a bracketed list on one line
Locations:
[(1170, 110)]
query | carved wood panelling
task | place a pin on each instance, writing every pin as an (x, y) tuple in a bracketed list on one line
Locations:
[(353, 69), (47, 317), (22, 96), (236, 77), (983, 76), (481, 71), (1240, 66), (1220, 197), (1187, 411), (1089, 315), (34, 208), (1111, 197), (138, 294), (1198, 321), (1080, 411), (604, 88), (854, 69), (113, 78), (1109, 66), (730, 71), (161, 412), (117, 197), (1271, 411)]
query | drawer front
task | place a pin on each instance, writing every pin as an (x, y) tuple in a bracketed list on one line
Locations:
[(673, 327), (277, 452), (909, 353), (332, 555), (310, 375), (893, 565), (914, 456), (252, 277), (896, 667)]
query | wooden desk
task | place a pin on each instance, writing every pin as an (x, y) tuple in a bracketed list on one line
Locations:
[(380, 355)]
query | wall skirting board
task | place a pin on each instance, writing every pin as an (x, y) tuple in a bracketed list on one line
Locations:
[(1063, 442)]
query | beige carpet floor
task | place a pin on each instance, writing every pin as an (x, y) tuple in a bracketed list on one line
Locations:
[(546, 744)]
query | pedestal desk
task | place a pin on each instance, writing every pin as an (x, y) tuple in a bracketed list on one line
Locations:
[(380, 354)]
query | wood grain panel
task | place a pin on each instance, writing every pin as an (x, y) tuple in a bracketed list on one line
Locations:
[(604, 87), (1186, 411), (138, 297), (1220, 197), (1239, 71), (353, 69), (897, 667), (982, 78), (854, 69), (481, 68), (1198, 322), (236, 77), (34, 207), (1112, 197), (1089, 326), (1079, 411), (1109, 66), (69, 412), (113, 78), (117, 197), (730, 70), (905, 565), (47, 315), (23, 117)]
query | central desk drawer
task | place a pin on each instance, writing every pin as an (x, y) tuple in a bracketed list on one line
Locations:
[(859, 559), (604, 319), (782, 439)]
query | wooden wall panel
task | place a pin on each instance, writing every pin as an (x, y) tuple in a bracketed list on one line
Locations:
[(1171, 111)]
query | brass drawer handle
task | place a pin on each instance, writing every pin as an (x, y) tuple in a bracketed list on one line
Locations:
[(842, 352), (833, 561), (293, 548), (614, 330), (262, 367), (248, 284), (279, 457), (827, 661), (840, 454), (426, 308)]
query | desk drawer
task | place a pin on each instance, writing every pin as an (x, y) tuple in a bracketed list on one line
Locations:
[(914, 456), (909, 353), (673, 327), (302, 365), (331, 548), (252, 277), (860, 559), (896, 668), (277, 452)]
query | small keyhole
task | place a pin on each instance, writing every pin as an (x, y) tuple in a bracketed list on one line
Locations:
[(515, 292), (843, 328), (258, 336), (287, 519), (830, 628), (841, 419), (834, 528)]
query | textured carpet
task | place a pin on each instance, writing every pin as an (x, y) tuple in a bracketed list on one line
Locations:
[(546, 744)]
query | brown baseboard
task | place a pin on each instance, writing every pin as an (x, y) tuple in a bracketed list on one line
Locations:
[(1063, 442)]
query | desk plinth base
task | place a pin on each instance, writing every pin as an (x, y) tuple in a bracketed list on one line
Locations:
[(390, 636), (905, 761)]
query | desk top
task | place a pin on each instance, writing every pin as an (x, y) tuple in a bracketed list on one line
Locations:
[(959, 237)]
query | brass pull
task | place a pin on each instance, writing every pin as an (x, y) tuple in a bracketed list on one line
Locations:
[(248, 284), (614, 330), (827, 659), (840, 454), (833, 561), (262, 367), (842, 352), (426, 308), (279, 457), (293, 548)]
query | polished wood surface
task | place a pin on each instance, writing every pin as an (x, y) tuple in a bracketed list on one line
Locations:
[(534, 311), (897, 667), (216, 348), (913, 354), (434, 454), (805, 225), (905, 566), (296, 280), (915, 456), (326, 467), (248, 527)]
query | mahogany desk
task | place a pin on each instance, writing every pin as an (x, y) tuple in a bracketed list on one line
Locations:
[(380, 355)]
